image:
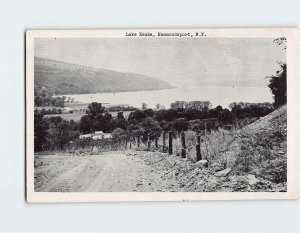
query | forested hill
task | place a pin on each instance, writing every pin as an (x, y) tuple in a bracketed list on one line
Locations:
[(64, 78)]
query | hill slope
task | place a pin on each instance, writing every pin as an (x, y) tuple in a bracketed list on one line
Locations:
[(257, 154), (63, 78), (253, 159), (264, 146)]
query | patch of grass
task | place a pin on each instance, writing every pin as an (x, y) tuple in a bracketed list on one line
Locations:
[(259, 154)]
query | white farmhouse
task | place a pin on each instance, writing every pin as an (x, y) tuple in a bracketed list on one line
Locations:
[(67, 110), (96, 135), (101, 135)]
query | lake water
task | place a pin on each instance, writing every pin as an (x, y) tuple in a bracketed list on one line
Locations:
[(216, 95)]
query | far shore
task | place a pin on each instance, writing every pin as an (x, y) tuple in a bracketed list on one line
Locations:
[(109, 92)]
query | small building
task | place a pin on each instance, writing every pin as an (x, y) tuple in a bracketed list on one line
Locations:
[(67, 110), (96, 135), (101, 135), (85, 136)]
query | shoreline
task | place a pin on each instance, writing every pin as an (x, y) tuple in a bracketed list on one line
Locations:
[(115, 92)]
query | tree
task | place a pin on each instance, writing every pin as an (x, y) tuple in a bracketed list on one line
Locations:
[(63, 134), (134, 130), (164, 125), (159, 106), (144, 106), (226, 116), (53, 133), (95, 109), (181, 124), (107, 120), (120, 116), (278, 86), (55, 120), (278, 81), (86, 124), (149, 112), (38, 101), (200, 126), (120, 121), (151, 127), (41, 127), (97, 118), (199, 105), (171, 114), (216, 111), (60, 132), (138, 115), (179, 104), (197, 126), (119, 133)]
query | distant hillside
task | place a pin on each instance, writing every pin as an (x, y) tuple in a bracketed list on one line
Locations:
[(64, 78)]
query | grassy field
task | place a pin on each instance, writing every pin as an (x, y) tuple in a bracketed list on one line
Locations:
[(68, 116)]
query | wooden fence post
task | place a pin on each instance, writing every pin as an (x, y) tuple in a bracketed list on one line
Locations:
[(148, 141), (129, 143), (183, 150), (164, 141), (138, 141), (156, 141), (198, 152), (170, 143), (198, 139), (92, 147)]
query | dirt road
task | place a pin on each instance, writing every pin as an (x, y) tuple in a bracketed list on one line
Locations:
[(140, 171), (110, 171)]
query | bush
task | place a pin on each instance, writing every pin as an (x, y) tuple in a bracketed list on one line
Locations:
[(278, 85)]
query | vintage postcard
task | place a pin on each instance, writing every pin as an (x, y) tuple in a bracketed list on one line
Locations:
[(162, 114)]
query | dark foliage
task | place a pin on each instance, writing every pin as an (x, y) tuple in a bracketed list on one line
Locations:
[(53, 133), (96, 119), (278, 86), (44, 98), (41, 127), (243, 110), (121, 108)]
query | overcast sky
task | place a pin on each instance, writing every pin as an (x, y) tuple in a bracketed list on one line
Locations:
[(173, 60)]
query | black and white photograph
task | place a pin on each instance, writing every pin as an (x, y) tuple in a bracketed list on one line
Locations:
[(159, 112), (176, 116)]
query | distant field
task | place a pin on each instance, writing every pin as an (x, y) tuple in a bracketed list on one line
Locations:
[(77, 116), (76, 105), (46, 108), (68, 116)]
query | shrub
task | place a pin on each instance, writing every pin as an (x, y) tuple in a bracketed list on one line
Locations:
[(278, 85)]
